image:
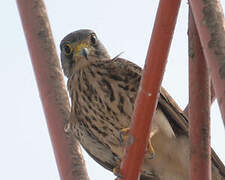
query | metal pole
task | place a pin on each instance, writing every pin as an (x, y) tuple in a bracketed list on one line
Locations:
[(199, 109), (213, 98), (147, 97), (210, 23), (51, 88)]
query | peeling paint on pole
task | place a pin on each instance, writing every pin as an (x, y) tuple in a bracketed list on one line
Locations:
[(210, 23)]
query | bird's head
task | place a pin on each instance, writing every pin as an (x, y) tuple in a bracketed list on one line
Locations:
[(80, 48)]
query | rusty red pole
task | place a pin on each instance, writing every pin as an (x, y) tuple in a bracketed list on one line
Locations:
[(213, 97), (149, 88), (51, 87), (199, 108), (210, 23)]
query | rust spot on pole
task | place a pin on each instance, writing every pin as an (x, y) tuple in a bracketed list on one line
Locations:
[(51, 88), (212, 14)]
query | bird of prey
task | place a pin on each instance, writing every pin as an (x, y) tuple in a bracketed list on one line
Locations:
[(103, 92)]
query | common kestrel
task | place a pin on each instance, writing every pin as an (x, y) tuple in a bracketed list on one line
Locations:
[(103, 93)]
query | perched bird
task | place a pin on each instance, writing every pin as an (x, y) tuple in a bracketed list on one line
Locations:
[(103, 93)]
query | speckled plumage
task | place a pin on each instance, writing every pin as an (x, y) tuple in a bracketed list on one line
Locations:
[(103, 93)]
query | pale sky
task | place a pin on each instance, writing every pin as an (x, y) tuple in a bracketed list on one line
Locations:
[(123, 26)]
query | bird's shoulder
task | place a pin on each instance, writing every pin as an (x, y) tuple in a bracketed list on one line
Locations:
[(118, 65)]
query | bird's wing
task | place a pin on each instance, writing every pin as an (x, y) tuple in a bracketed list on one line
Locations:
[(175, 115)]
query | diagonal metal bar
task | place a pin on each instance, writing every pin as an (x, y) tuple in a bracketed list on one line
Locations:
[(199, 109), (210, 23), (51, 87), (147, 97)]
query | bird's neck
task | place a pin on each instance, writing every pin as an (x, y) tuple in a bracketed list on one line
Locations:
[(82, 63)]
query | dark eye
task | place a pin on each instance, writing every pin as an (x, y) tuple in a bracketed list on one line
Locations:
[(93, 38), (67, 49)]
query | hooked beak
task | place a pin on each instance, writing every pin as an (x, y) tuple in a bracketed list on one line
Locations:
[(81, 49), (85, 53)]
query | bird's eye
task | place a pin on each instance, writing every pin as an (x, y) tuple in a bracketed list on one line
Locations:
[(93, 38), (67, 49)]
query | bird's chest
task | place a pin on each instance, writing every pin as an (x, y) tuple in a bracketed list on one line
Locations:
[(100, 109)]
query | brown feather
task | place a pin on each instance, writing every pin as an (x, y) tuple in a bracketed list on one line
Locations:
[(103, 95)]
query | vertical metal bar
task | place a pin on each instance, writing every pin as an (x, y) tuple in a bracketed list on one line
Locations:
[(199, 109), (51, 88), (210, 23), (149, 88), (213, 97)]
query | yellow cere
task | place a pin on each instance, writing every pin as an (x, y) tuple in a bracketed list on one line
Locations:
[(79, 47)]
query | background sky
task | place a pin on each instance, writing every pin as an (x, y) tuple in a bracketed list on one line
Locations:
[(123, 26)]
